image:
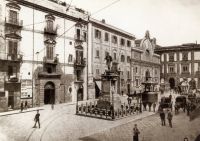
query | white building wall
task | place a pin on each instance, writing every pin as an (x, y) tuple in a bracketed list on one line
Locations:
[(197, 55)]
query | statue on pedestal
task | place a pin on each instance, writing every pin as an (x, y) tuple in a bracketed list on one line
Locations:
[(108, 61)]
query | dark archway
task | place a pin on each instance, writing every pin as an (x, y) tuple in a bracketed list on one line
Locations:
[(147, 75), (80, 94), (172, 83), (49, 93)]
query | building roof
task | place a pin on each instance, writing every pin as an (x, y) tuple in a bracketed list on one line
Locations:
[(110, 27), (183, 47)]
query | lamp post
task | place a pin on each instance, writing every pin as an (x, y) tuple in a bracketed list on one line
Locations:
[(140, 101), (37, 53)]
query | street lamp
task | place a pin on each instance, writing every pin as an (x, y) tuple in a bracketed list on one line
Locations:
[(140, 101), (37, 53)]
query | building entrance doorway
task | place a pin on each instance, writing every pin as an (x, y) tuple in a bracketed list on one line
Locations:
[(49, 93), (11, 100), (80, 94), (172, 83), (147, 75)]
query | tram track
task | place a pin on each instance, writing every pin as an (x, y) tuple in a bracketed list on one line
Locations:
[(47, 122)]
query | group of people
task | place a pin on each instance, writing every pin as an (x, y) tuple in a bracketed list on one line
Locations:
[(163, 117), (24, 106)]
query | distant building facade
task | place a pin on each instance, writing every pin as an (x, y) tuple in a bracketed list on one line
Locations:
[(106, 39), (43, 53), (180, 63), (145, 63)]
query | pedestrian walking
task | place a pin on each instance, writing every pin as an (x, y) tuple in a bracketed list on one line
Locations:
[(154, 107), (188, 109), (136, 133), (26, 105), (169, 117), (37, 119), (162, 117), (22, 106)]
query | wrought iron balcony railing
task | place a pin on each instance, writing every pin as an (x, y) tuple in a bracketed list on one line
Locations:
[(13, 21), (79, 38)]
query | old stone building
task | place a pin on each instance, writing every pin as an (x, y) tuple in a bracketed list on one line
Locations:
[(180, 63), (145, 63), (43, 53), (106, 39)]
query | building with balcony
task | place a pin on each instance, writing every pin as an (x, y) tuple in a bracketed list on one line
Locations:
[(145, 63), (180, 63), (104, 39), (43, 51)]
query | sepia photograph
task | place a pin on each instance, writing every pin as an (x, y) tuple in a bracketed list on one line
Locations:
[(99, 70)]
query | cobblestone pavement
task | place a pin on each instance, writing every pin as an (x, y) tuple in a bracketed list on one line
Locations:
[(60, 124), (151, 130)]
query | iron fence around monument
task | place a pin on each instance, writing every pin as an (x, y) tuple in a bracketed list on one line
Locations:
[(90, 109)]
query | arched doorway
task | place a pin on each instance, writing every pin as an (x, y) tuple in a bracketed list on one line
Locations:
[(80, 94), (49, 93), (172, 83), (147, 75)]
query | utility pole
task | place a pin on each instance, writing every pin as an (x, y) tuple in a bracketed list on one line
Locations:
[(33, 52)]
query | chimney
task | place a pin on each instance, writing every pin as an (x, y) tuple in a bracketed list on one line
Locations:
[(103, 21)]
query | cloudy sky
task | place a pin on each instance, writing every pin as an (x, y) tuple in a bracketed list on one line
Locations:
[(171, 22)]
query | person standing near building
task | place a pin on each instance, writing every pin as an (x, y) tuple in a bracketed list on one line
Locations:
[(162, 117), (154, 107), (169, 117), (26, 105), (136, 133), (22, 106), (37, 119)]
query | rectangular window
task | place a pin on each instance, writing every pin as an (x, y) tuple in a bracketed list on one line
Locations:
[(70, 58), (114, 39), (128, 74), (122, 58), (85, 36), (49, 52), (136, 70), (50, 25), (97, 71), (137, 82), (106, 37), (97, 34), (128, 59), (10, 71), (128, 43), (171, 69), (13, 16), (12, 49), (171, 57), (97, 53), (185, 69), (185, 56), (115, 56), (122, 42)]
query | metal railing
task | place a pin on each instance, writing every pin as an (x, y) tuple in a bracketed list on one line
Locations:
[(14, 21)]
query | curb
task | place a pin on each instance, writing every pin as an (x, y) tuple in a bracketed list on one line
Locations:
[(7, 114)]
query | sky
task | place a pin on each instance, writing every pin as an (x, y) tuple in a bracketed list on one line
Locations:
[(171, 22)]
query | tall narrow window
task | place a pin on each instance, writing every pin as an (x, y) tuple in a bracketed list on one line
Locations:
[(97, 53), (49, 52), (122, 42), (49, 25), (122, 58), (13, 17), (97, 34), (106, 37), (115, 56), (70, 58), (128, 43)]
